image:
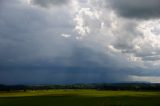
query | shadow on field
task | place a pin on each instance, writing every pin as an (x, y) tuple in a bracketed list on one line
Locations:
[(73, 100)]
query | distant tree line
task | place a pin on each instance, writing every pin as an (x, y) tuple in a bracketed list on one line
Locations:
[(102, 86)]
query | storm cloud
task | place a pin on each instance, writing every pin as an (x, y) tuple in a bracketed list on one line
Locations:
[(140, 9), (78, 41), (49, 3)]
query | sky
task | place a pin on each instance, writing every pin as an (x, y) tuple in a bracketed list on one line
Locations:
[(79, 41)]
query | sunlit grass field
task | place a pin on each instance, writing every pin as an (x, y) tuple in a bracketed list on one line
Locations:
[(79, 98)]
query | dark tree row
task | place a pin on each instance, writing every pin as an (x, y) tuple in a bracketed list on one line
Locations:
[(103, 86)]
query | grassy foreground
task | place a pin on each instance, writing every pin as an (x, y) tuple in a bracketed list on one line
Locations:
[(79, 98)]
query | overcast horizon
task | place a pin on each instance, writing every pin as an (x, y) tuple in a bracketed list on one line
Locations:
[(79, 41)]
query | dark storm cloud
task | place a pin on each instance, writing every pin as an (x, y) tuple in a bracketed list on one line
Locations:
[(81, 67), (143, 9), (59, 77), (32, 50), (49, 3)]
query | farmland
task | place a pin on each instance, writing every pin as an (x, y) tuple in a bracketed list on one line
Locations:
[(73, 97)]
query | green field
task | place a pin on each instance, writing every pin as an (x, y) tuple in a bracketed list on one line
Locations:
[(79, 98)]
